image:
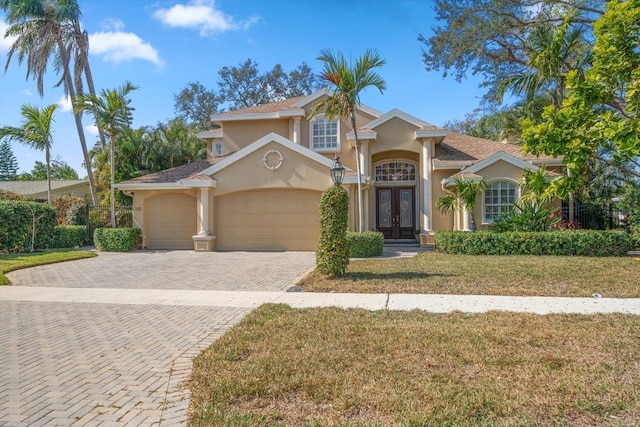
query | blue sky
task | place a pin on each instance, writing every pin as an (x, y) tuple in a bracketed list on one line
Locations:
[(161, 45)]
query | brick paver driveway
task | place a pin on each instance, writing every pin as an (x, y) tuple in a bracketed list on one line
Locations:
[(121, 364)]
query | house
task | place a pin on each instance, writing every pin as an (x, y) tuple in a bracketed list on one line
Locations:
[(38, 189), (260, 186)]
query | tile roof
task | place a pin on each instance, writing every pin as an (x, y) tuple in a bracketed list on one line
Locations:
[(458, 147), (35, 187), (271, 107), (180, 173)]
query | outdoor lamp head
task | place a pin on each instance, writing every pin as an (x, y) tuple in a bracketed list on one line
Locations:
[(337, 172)]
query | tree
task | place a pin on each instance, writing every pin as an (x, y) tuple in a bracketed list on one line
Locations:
[(332, 255), (600, 118), (346, 81), (110, 109), (243, 86), (465, 197), (35, 132), (45, 29), (195, 105), (8, 163), (59, 171), (489, 37)]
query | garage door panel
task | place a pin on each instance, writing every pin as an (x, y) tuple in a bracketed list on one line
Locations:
[(268, 220), (171, 221)]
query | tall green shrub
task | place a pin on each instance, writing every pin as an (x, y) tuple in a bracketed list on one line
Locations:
[(25, 226), (332, 255)]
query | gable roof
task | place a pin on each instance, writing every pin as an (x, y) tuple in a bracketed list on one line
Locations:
[(174, 176), (458, 150), (32, 188)]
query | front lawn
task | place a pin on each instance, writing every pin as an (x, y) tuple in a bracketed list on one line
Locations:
[(331, 367), (437, 273), (11, 262)]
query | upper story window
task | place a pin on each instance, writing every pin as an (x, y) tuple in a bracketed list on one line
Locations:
[(499, 198), (395, 172), (217, 149), (324, 134)]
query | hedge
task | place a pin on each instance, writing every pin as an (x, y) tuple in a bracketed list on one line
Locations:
[(332, 255), (570, 242), (16, 225), (69, 236), (117, 239), (364, 245)]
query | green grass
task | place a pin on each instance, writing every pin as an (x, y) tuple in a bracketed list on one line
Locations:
[(331, 367), (437, 273), (11, 262)]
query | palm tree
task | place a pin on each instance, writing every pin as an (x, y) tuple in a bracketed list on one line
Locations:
[(111, 110), (46, 28), (35, 132), (346, 82), (466, 193)]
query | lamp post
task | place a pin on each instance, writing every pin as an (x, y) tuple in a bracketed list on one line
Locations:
[(337, 172)]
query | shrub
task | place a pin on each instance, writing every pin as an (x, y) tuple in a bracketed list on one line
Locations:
[(526, 215), (25, 226), (630, 206), (332, 255), (76, 214), (69, 236), (10, 195), (573, 242), (635, 241), (117, 239), (367, 244), (62, 205)]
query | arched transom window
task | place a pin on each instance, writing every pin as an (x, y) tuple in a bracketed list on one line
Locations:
[(499, 198), (395, 172)]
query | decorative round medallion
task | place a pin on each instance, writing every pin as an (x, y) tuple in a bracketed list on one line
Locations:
[(273, 159)]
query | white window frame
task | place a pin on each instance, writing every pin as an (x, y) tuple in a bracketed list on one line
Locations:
[(485, 205), (217, 149), (312, 140)]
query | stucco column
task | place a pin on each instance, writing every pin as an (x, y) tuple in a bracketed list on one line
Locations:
[(296, 130), (426, 185), (465, 219), (203, 241)]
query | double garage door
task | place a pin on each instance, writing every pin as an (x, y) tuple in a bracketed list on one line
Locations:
[(266, 220)]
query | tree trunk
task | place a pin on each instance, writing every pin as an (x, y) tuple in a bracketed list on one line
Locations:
[(84, 44), (112, 197), (358, 169), (47, 156), (77, 116)]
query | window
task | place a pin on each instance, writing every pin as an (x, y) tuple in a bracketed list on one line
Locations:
[(324, 135), (395, 171), (217, 150), (499, 198)]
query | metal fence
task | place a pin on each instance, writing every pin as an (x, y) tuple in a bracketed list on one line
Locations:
[(594, 217), (100, 216)]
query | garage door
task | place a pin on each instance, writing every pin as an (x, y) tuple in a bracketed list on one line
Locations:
[(272, 220), (170, 221)]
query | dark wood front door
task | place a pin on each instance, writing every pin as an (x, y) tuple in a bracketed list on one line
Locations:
[(395, 208)]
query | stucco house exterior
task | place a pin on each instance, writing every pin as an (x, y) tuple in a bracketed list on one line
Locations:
[(260, 186)]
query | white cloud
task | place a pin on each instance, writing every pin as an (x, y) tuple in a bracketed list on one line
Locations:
[(65, 103), (26, 92), (92, 129), (5, 43), (201, 15), (118, 46), (112, 24)]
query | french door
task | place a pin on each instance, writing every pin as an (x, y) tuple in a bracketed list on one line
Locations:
[(395, 207)]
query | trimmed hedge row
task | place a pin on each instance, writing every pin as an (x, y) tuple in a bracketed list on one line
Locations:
[(366, 244), (69, 236), (570, 242), (117, 239), (17, 220)]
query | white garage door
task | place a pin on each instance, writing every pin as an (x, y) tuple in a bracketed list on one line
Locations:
[(170, 221), (271, 220)]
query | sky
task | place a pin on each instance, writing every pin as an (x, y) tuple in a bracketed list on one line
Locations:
[(162, 45)]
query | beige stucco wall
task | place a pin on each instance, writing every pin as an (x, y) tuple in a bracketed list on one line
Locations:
[(438, 220), (395, 134), (239, 134)]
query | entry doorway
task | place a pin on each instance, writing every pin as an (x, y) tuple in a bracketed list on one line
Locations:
[(395, 211)]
